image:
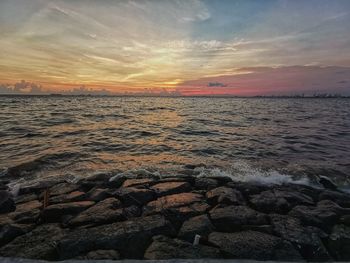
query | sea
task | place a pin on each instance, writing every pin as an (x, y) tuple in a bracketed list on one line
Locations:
[(271, 140)]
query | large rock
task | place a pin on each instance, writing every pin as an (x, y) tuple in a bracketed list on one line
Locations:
[(339, 242), (232, 218), (135, 196), (39, 186), (63, 188), (40, 243), (130, 238), (203, 183), (10, 231), (70, 197), (25, 198), (198, 225), (177, 215), (26, 212), (306, 239), (166, 248), (254, 245), (106, 211), (225, 195), (278, 201), (169, 188), (342, 199), (98, 194), (101, 254), (172, 201), (138, 182), (55, 213), (324, 215), (6, 202)]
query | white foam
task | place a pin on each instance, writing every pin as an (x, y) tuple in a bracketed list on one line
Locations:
[(243, 172)]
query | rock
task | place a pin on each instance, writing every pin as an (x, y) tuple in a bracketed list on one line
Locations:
[(63, 188), (254, 245), (166, 248), (339, 242), (25, 198), (200, 225), (232, 218), (225, 195), (103, 212), (116, 181), (101, 254), (70, 197), (55, 213), (138, 182), (131, 211), (345, 220), (248, 188), (278, 201), (11, 231), (172, 201), (98, 194), (135, 196), (306, 239), (38, 187), (26, 212), (324, 215), (182, 213), (342, 199), (327, 183), (169, 188), (130, 238), (6, 202), (40, 243), (203, 183)]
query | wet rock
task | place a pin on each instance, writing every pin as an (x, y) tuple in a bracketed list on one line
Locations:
[(138, 182), (278, 201), (38, 187), (254, 245), (10, 231), (342, 199), (172, 201), (225, 195), (205, 183), (101, 254), (55, 213), (25, 198), (179, 214), (168, 188), (6, 202), (324, 215), (248, 188), (26, 212), (306, 239), (232, 218), (200, 225), (116, 181), (98, 194), (135, 196), (130, 238), (327, 183), (131, 211), (339, 242), (63, 188), (70, 197), (345, 220), (166, 248), (106, 211), (39, 243)]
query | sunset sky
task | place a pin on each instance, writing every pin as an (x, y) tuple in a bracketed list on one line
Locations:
[(192, 47)]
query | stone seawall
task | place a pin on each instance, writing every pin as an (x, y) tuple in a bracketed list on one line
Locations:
[(158, 218)]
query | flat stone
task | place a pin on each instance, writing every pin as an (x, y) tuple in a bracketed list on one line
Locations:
[(130, 238), (98, 194), (199, 225), (55, 213), (339, 242), (134, 196), (25, 198), (203, 183), (167, 248), (345, 220), (232, 218), (254, 245), (26, 212), (106, 211), (306, 239), (70, 197), (342, 199), (182, 213), (101, 254), (138, 182), (39, 243), (38, 187), (248, 188), (63, 188), (172, 201), (10, 231), (169, 188), (225, 195), (7, 203)]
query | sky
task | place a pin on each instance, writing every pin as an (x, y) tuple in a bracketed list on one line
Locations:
[(187, 47)]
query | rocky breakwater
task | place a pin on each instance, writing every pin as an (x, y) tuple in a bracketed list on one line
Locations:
[(158, 218)]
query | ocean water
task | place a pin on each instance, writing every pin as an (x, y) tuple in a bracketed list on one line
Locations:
[(277, 138)]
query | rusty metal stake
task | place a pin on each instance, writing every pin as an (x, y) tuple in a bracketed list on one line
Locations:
[(46, 198)]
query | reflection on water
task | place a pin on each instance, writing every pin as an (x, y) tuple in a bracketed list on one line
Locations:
[(42, 136)]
